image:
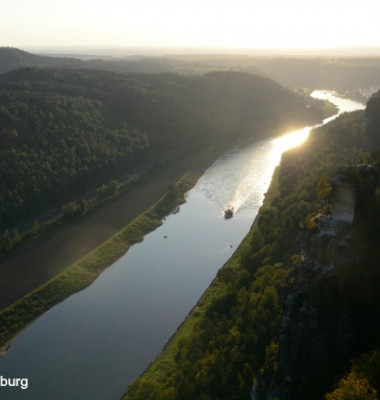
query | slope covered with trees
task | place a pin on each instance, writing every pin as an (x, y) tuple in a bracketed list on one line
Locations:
[(13, 58), (62, 131), (299, 300)]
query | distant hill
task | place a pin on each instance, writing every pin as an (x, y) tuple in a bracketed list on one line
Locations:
[(342, 74), (12, 58), (324, 73)]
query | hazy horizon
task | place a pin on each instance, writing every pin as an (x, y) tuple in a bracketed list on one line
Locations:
[(245, 26), (151, 51)]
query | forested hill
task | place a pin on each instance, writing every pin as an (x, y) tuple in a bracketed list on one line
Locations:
[(294, 314), (13, 58), (64, 130)]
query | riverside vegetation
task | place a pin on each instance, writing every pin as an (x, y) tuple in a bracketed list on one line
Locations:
[(281, 321)]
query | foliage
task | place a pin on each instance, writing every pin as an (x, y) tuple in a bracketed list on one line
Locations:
[(107, 190), (362, 382), (353, 387), (64, 132), (71, 209), (217, 360), (325, 192)]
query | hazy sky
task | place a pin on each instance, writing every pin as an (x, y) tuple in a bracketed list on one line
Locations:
[(226, 23)]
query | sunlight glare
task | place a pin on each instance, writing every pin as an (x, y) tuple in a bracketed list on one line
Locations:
[(292, 139)]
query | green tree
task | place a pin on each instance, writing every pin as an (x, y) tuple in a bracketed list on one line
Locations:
[(70, 210), (5, 241), (353, 387), (83, 207), (325, 192), (113, 187), (16, 237), (35, 229)]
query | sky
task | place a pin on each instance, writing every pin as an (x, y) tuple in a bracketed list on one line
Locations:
[(254, 24)]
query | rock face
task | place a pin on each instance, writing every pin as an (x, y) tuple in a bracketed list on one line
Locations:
[(353, 193), (315, 332), (344, 201), (318, 331)]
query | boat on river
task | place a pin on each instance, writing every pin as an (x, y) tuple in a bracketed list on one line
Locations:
[(229, 213)]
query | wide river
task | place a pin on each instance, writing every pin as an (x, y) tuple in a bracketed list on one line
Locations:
[(92, 345)]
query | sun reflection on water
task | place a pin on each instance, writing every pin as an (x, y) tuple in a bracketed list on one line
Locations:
[(292, 139), (239, 179), (240, 183), (250, 184)]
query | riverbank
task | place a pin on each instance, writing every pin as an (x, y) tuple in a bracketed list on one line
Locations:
[(39, 260), (82, 273), (162, 370), (45, 257)]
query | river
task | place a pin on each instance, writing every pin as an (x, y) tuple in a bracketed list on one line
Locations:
[(93, 344)]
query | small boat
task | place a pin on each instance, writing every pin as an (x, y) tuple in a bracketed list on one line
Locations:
[(229, 213)]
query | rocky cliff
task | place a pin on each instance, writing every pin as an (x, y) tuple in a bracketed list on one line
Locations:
[(330, 293)]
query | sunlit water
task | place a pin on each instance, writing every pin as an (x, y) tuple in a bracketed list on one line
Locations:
[(92, 345)]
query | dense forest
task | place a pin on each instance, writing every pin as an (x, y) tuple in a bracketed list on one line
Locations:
[(295, 313), (62, 131)]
